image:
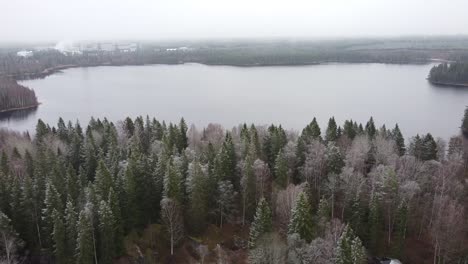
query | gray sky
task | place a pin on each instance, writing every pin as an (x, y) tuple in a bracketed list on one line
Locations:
[(73, 20)]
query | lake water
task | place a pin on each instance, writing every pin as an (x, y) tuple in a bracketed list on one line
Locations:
[(290, 96)]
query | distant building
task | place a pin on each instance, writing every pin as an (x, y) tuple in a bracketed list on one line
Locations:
[(25, 53), (127, 47)]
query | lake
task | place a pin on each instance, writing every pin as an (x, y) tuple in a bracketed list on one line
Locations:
[(289, 95)]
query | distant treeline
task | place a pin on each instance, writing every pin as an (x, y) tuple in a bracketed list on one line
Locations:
[(253, 53), (453, 73), (15, 96)]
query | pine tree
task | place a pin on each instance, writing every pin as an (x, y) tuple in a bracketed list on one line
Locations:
[(399, 140), (85, 250), (59, 240), (301, 219), (281, 170), (106, 234), (262, 223)]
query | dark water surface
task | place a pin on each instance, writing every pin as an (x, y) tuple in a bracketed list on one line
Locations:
[(291, 96)]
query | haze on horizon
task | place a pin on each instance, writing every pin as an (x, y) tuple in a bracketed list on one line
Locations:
[(55, 20)]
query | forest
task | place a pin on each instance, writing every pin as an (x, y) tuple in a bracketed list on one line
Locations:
[(248, 52), (15, 96), (144, 191), (453, 73)]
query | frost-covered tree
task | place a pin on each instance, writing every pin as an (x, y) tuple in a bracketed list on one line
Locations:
[(10, 243), (334, 158), (350, 249), (59, 238), (173, 222), (226, 200), (301, 219), (262, 223), (71, 220), (107, 248), (281, 170), (270, 249), (85, 243), (173, 182)]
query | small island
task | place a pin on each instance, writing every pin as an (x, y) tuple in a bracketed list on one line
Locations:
[(14, 96), (449, 74)]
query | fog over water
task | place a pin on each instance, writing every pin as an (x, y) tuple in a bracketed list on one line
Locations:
[(290, 96)]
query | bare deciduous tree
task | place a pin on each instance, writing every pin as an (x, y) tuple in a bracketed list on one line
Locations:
[(172, 217)]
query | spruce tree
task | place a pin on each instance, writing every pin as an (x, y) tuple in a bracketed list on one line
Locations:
[(262, 223), (429, 148), (114, 204), (59, 239), (52, 202), (71, 221), (332, 132), (301, 219), (370, 128), (350, 249), (249, 187), (106, 234), (85, 250), (226, 201), (173, 182), (334, 158), (103, 180), (198, 203), (281, 170), (399, 140)]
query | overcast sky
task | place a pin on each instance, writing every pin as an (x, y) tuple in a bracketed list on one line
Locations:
[(74, 20)]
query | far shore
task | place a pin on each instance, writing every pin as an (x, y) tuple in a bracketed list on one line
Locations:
[(449, 84), (19, 108)]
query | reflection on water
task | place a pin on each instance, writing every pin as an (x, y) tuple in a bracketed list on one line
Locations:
[(18, 115)]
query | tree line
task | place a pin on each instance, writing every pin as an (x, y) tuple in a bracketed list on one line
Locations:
[(449, 73), (14, 95), (73, 195)]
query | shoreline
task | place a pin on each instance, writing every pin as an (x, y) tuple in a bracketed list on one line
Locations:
[(19, 108), (448, 84), (53, 70)]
